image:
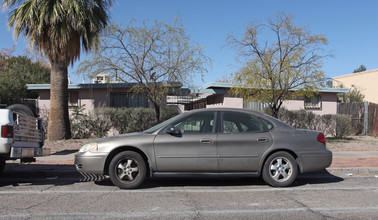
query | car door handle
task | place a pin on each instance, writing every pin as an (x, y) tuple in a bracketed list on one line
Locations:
[(262, 139), (206, 141)]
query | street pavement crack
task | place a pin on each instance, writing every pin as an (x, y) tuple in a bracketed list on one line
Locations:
[(323, 216), (192, 204)]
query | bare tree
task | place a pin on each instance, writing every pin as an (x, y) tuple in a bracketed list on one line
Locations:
[(281, 61), (157, 57)]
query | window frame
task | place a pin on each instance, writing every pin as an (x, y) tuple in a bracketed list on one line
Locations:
[(309, 100), (130, 98), (73, 97)]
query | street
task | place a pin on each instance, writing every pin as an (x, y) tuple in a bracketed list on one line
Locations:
[(58, 192)]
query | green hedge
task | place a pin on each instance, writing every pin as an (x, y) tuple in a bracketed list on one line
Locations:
[(125, 120)]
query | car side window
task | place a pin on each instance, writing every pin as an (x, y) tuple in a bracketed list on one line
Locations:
[(202, 122), (236, 122), (267, 124)]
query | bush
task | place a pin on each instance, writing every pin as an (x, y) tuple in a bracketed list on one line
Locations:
[(343, 126), (95, 124), (125, 120), (332, 125)]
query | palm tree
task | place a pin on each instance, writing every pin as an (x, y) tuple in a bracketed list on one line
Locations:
[(60, 29)]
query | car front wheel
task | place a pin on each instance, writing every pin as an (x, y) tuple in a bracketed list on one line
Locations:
[(127, 170), (280, 169)]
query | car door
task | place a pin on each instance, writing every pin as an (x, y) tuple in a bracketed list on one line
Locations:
[(192, 148), (241, 142)]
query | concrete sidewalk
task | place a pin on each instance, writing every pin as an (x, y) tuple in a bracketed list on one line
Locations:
[(344, 159)]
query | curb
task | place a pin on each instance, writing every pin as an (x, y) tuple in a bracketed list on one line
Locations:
[(361, 171)]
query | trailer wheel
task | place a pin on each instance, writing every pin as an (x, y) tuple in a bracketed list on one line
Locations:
[(23, 109)]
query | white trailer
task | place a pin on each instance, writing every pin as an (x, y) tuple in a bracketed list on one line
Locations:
[(22, 137)]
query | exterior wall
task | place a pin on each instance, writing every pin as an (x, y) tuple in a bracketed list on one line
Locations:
[(91, 98), (328, 103), (228, 102), (365, 81)]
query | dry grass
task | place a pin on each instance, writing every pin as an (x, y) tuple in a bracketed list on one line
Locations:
[(71, 144), (354, 143)]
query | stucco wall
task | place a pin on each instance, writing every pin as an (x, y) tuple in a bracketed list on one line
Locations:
[(329, 104), (228, 102), (91, 98), (365, 81)]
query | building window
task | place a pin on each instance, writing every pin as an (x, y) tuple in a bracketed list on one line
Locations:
[(128, 100), (313, 102), (73, 98)]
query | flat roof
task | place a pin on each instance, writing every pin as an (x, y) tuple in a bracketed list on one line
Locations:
[(210, 88)]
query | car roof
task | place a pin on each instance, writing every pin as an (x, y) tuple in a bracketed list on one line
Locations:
[(228, 109), (276, 121)]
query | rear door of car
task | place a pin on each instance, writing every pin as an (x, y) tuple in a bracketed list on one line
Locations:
[(193, 149), (241, 142)]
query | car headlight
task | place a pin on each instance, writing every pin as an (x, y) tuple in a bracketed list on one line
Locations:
[(88, 147)]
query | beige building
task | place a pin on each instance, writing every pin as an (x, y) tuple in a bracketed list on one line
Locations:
[(366, 82)]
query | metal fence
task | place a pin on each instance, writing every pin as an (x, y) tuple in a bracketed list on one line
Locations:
[(256, 106)]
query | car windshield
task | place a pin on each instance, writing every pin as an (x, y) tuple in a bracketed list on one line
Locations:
[(161, 125)]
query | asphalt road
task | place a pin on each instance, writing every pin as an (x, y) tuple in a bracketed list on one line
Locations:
[(59, 192)]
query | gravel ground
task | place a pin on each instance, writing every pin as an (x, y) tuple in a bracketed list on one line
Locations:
[(71, 144), (355, 143)]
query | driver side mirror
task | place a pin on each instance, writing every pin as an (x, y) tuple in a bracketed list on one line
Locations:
[(173, 130)]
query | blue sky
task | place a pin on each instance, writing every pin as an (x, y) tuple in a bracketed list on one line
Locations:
[(350, 26)]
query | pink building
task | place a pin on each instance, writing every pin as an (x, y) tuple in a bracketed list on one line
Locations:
[(217, 95), (208, 96)]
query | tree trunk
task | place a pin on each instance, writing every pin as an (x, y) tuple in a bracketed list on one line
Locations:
[(157, 112), (274, 111), (59, 124)]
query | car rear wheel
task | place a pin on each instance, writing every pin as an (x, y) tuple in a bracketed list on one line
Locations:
[(280, 169), (127, 170)]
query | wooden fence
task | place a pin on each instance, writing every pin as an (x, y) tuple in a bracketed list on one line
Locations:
[(364, 116)]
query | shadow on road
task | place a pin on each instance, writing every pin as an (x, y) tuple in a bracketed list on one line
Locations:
[(16, 174), (321, 177), (65, 152), (44, 174), (315, 178)]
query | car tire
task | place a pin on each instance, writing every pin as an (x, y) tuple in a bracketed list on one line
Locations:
[(280, 169), (127, 170), (23, 109)]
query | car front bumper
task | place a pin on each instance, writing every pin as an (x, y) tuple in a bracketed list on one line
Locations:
[(88, 162), (315, 160)]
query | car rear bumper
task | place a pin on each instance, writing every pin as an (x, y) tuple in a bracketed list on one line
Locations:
[(315, 160), (90, 163)]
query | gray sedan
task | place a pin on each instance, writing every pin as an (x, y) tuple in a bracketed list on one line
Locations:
[(215, 141)]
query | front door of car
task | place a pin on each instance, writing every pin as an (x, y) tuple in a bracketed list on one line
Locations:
[(241, 142), (188, 145)]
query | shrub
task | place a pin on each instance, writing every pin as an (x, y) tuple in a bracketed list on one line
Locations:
[(343, 126), (125, 120), (332, 125), (93, 124)]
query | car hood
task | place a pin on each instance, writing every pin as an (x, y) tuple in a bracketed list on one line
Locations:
[(135, 135)]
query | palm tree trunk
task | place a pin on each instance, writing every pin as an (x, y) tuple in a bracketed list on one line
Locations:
[(59, 125)]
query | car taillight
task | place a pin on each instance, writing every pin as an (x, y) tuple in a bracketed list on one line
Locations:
[(321, 138), (7, 131)]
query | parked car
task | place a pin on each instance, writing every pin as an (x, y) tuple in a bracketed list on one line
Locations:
[(215, 141)]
